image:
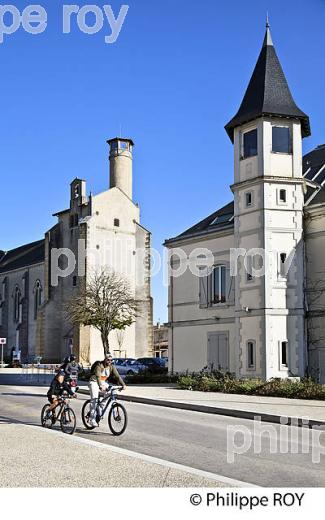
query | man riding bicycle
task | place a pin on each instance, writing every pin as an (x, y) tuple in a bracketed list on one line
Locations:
[(101, 372)]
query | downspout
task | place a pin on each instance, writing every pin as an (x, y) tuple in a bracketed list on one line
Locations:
[(171, 282), (306, 309)]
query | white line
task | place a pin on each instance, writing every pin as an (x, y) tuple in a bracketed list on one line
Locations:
[(149, 459)]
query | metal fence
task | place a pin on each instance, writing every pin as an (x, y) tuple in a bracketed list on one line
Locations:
[(39, 373)]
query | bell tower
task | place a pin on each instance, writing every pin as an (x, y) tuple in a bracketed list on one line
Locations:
[(268, 188), (120, 160)]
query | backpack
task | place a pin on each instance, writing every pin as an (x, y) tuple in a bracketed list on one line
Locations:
[(94, 366)]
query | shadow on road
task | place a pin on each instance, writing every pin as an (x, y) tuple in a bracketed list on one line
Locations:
[(10, 420), (25, 395), (93, 433)]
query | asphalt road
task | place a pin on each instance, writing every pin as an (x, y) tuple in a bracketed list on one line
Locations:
[(196, 440)]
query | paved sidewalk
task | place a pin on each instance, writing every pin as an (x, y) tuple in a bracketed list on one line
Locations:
[(33, 456), (270, 409)]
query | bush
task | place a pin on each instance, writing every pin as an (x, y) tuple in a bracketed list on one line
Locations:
[(304, 389)]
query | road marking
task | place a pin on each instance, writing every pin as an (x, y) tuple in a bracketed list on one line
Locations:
[(149, 459)]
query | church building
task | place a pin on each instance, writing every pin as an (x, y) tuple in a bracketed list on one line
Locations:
[(37, 280), (258, 310)]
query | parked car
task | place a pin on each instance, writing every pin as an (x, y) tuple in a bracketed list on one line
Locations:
[(128, 366), (120, 361), (153, 365)]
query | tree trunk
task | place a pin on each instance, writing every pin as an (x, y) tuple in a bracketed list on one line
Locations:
[(105, 342)]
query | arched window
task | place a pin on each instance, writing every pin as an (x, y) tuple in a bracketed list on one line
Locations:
[(17, 302), (37, 297)]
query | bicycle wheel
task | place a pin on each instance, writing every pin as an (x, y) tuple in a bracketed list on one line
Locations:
[(85, 415), (117, 419), (46, 420), (68, 421)]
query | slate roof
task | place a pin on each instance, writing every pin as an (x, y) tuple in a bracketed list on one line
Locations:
[(23, 256), (314, 171), (268, 93), (223, 218)]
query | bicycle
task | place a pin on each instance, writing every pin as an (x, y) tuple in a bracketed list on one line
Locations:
[(66, 416), (117, 416)]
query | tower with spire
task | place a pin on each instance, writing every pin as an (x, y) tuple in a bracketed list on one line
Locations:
[(267, 133)]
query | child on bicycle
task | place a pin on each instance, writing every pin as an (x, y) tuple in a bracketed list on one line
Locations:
[(57, 388)]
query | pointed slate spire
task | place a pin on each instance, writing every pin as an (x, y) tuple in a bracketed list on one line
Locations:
[(268, 93), (268, 37)]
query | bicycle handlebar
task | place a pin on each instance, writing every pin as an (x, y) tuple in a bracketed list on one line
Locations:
[(111, 388)]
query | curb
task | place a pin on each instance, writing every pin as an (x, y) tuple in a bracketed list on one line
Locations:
[(228, 412)]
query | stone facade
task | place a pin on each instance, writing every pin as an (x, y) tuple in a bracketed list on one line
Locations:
[(96, 231)]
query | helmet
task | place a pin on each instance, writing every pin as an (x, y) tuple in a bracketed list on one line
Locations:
[(61, 373)]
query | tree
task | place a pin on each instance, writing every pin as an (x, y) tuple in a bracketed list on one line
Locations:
[(120, 338), (105, 303)]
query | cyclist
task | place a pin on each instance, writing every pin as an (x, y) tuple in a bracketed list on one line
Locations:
[(71, 369), (57, 388), (101, 372)]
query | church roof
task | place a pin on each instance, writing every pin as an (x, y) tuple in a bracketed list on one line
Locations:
[(23, 256), (223, 218), (268, 93)]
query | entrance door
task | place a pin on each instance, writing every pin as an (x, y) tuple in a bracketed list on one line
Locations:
[(218, 351)]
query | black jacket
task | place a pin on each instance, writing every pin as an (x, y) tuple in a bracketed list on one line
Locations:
[(57, 388)]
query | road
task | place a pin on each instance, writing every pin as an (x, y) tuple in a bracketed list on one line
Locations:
[(193, 439)]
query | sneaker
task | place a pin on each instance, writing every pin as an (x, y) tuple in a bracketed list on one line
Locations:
[(93, 423)]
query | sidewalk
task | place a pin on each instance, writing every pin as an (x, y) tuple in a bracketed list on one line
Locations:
[(270, 409), (35, 457)]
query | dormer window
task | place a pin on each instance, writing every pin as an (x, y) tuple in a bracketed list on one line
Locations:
[(281, 139), (249, 144)]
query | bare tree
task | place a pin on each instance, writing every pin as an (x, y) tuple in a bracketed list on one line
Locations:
[(120, 334), (105, 303)]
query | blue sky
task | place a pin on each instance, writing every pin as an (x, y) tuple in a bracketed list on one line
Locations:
[(173, 79)]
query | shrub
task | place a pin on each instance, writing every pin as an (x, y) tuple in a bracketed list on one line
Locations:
[(304, 389)]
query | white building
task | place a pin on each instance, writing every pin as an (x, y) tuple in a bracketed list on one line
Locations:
[(257, 323), (98, 231)]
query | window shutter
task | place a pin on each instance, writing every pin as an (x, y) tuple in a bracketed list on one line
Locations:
[(230, 287), (204, 291), (223, 360)]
